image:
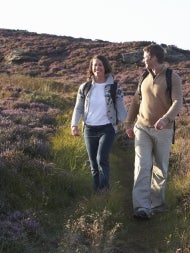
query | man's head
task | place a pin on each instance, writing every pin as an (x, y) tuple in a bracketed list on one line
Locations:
[(153, 54)]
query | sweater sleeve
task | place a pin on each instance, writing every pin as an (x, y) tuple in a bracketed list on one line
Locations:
[(120, 104), (177, 98), (133, 110), (78, 111)]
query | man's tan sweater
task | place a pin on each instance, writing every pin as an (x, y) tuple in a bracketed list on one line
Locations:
[(155, 102)]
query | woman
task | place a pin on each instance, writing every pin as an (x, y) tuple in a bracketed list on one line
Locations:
[(100, 115)]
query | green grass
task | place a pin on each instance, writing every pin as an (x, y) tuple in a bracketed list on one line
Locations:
[(163, 233), (56, 191), (167, 232)]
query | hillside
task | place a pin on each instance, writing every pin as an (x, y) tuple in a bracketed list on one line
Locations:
[(46, 198), (66, 59)]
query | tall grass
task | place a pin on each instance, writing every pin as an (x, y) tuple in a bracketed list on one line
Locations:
[(32, 184), (47, 203)]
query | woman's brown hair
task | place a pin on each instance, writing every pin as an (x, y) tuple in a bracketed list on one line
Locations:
[(105, 62)]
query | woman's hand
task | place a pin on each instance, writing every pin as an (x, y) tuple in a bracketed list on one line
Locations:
[(130, 133), (75, 131)]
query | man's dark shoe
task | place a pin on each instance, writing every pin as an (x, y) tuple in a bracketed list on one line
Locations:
[(142, 215)]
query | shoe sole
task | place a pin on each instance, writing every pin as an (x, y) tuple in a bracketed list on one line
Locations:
[(142, 216)]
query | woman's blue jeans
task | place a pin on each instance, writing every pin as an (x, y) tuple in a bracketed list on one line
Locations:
[(99, 140)]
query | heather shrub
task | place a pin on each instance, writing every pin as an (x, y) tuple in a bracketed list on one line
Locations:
[(32, 183), (46, 200), (16, 226), (94, 232)]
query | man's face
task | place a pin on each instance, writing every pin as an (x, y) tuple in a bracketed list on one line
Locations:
[(147, 60)]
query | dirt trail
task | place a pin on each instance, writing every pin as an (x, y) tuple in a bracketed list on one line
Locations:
[(137, 236)]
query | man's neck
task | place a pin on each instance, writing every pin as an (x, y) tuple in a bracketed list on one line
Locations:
[(157, 68)]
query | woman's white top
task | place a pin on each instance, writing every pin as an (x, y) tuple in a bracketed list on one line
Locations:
[(97, 113)]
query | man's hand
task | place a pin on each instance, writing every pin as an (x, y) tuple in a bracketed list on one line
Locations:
[(161, 123)]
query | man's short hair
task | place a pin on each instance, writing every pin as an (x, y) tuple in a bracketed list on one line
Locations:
[(155, 50)]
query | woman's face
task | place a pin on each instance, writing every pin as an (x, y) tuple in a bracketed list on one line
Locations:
[(98, 68)]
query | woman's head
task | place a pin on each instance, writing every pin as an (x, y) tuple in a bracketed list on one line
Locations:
[(99, 65)]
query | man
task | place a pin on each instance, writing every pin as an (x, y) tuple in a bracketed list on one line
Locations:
[(150, 120)]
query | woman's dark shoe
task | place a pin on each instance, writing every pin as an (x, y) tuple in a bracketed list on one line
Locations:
[(142, 215)]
